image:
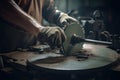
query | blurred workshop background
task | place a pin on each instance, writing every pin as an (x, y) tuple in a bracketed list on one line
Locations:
[(85, 8)]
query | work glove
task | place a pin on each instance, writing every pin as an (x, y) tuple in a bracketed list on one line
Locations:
[(54, 36), (66, 19)]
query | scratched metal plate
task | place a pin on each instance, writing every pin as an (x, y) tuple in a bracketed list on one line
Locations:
[(100, 58)]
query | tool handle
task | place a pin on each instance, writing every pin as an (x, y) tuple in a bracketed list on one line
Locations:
[(98, 42), (77, 39)]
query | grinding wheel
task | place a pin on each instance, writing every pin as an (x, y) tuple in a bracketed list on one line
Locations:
[(70, 30)]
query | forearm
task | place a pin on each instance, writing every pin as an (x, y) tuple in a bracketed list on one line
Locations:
[(11, 12)]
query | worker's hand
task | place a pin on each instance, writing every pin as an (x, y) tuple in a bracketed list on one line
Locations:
[(66, 19), (54, 36)]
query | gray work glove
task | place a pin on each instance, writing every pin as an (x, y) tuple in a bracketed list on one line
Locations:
[(66, 19), (54, 36)]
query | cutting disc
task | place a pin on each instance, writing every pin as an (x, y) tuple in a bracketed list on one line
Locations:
[(70, 30)]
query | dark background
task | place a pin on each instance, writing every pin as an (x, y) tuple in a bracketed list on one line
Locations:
[(110, 9)]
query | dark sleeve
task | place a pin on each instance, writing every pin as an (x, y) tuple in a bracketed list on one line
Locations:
[(50, 13)]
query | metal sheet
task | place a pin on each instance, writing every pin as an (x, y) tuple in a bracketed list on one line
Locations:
[(101, 57)]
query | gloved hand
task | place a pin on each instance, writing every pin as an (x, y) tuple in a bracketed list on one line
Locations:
[(54, 36), (66, 19)]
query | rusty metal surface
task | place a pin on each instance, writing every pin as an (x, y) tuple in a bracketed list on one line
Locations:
[(100, 56)]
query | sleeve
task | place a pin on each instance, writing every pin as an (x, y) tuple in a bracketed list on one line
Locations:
[(50, 13), (12, 13)]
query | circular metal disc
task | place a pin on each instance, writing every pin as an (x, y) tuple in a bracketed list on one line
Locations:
[(70, 30), (100, 58)]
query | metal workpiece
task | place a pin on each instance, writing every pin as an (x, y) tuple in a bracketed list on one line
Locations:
[(93, 57)]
